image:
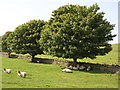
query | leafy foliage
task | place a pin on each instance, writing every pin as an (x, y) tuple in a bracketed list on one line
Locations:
[(26, 37), (5, 43), (0, 43), (77, 32)]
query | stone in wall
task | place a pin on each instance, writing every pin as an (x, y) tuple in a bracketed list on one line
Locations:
[(101, 68)]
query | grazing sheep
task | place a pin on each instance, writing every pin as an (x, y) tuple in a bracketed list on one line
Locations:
[(7, 70), (67, 70), (21, 74)]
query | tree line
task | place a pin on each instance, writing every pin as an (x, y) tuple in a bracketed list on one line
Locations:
[(73, 31)]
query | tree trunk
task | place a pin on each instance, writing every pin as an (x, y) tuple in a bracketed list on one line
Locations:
[(33, 58), (9, 54), (75, 60)]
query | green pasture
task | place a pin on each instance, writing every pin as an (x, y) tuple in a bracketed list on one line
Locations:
[(50, 76), (110, 58)]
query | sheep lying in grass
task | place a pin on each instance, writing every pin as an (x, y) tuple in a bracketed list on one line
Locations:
[(67, 70), (22, 74), (7, 70)]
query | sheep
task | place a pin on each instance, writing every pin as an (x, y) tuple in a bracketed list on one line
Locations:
[(22, 74), (7, 70), (67, 70)]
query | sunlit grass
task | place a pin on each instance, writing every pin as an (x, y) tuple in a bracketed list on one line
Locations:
[(50, 76), (110, 58)]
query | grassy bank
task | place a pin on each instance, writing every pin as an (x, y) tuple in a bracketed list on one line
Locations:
[(50, 76)]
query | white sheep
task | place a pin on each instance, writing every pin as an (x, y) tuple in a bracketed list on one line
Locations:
[(67, 70), (22, 74), (7, 70)]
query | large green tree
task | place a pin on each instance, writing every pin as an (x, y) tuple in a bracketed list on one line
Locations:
[(5, 44), (0, 43), (26, 37), (76, 31)]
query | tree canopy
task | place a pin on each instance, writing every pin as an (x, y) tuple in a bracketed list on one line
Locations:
[(26, 37), (5, 44), (76, 31)]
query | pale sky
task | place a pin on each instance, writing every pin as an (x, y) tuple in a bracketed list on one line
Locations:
[(17, 12)]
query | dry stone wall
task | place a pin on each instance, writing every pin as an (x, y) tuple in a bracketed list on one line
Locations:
[(89, 67)]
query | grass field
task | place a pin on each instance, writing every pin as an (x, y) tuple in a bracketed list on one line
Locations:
[(110, 58), (50, 76)]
